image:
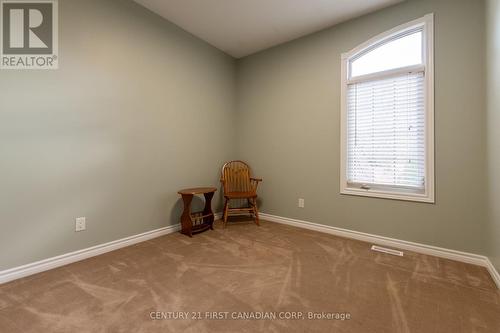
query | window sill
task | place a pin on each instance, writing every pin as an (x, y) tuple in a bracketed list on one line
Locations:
[(386, 194)]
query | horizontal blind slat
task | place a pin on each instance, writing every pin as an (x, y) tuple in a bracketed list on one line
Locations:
[(386, 131)]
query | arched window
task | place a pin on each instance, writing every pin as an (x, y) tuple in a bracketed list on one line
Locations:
[(387, 118)]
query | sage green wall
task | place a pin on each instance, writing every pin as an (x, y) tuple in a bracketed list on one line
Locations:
[(137, 110), (493, 121), (288, 105), (137, 103)]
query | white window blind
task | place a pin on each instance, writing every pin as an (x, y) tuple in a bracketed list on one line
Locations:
[(386, 132)]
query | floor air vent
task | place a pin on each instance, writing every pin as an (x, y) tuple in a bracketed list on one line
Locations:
[(386, 250)]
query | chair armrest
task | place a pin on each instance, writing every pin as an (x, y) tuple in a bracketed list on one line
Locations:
[(255, 182)]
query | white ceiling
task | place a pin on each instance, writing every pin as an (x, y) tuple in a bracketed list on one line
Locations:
[(243, 27)]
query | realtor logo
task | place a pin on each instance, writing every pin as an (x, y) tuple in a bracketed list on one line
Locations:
[(29, 38)]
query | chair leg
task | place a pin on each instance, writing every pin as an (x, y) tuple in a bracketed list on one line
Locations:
[(250, 205), (256, 211), (226, 208)]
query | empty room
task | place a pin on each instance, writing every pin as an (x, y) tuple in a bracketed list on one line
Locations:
[(250, 166)]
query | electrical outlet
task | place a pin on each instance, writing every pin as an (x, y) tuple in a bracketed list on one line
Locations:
[(301, 203), (80, 224)]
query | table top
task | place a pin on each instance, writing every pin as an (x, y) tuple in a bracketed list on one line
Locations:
[(197, 190)]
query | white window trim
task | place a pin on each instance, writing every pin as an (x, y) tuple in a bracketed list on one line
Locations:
[(427, 22)]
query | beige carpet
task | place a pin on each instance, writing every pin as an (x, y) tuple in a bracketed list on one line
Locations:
[(256, 272)]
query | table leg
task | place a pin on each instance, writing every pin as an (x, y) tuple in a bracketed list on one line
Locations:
[(186, 223), (208, 208)]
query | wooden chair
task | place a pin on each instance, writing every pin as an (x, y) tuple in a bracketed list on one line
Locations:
[(238, 184)]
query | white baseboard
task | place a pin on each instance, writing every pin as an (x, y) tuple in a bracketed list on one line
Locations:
[(495, 275), (465, 257), (68, 258)]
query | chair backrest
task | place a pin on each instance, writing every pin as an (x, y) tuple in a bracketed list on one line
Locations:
[(236, 177)]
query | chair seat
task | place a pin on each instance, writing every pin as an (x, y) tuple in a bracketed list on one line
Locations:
[(240, 195)]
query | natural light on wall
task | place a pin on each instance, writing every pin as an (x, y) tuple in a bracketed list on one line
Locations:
[(388, 114)]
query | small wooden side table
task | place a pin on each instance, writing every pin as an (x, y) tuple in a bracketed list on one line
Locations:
[(194, 222)]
